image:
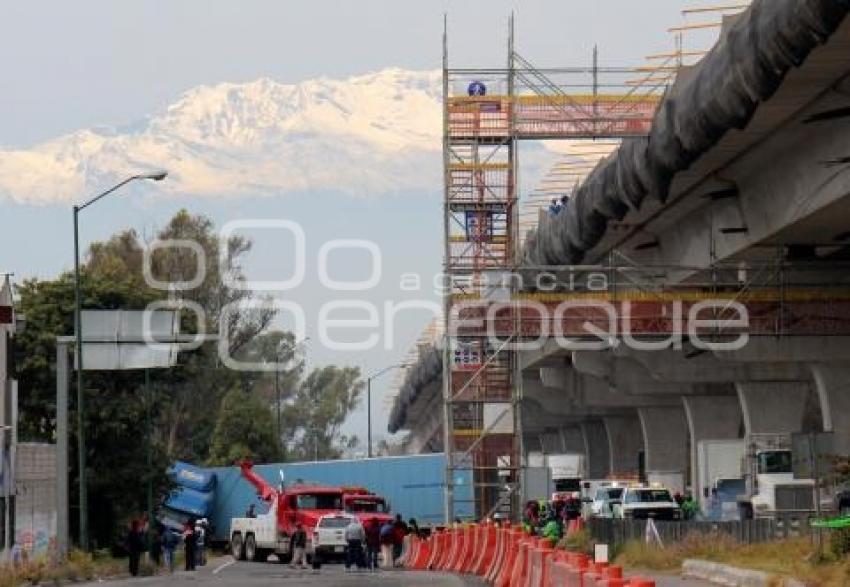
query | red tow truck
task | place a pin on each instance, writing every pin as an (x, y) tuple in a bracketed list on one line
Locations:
[(254, 539), (366, 505)]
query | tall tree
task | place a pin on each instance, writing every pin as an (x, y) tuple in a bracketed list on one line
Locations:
[(318, 409), (245, 429), (187, 397)]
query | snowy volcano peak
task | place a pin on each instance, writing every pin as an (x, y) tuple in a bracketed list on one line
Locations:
[(372, 133)]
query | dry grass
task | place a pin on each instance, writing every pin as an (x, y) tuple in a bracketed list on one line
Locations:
[(796, 558), (79, 567)]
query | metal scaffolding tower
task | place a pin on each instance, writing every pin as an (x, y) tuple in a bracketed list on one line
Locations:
[(486, 112)]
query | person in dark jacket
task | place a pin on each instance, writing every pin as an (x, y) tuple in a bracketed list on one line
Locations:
[(189, 545), (298, 547), (399, 532), (135, 546), (373, 543)]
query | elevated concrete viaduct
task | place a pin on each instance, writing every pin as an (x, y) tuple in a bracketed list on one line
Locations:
[(758, 215)]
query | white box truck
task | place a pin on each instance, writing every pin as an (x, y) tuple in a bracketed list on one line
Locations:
[(567, 472), (719, 481)]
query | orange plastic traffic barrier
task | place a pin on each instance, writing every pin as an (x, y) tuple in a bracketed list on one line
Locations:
[(439, 547), (423, 555), (537, 562), (500, 554), (457, 551), (471, 555), (519, 575), (486, 550), (470, 552), (511, 553), (448, 549), (407, 550), (641, 582), (560, 575)]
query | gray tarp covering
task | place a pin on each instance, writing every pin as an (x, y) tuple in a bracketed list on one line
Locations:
[(427, 371), (744, 68)]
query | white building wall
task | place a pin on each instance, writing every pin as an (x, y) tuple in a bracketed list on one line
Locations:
[(35, 500)]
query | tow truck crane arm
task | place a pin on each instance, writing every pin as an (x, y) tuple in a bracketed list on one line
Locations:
[(265, 491)]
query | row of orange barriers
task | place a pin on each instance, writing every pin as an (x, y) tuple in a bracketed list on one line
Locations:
[(506, 556)]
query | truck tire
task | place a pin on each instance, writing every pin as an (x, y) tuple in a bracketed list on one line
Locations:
[(250, 548), (262, 555), (284, 558), (237, 548)]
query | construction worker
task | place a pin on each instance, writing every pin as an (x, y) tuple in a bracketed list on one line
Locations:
[(298, 547)]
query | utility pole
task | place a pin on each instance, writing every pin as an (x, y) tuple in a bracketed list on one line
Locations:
[(78, 333), (369, 404)]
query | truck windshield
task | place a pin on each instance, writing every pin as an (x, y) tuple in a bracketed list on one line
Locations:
[(774, 461), (319, 501), (365, 505), (567, 485)]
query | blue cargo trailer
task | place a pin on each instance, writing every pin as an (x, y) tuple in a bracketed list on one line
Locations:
[(412, 485)]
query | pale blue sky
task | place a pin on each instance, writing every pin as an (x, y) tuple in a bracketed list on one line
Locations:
[(75, 64), (71, 65)]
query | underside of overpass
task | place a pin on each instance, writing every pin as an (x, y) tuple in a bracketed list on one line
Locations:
[(739, 195)]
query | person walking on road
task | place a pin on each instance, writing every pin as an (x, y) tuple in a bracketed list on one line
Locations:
[(386, 539), (200, 536), (399, 532), (355, 536), (298, 547), (170, 540), (189, 545), (373, 543), (135, 546)]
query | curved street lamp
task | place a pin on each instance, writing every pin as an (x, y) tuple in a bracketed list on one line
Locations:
[(157, 175)]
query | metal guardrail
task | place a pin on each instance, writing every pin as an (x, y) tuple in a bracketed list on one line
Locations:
[(617, 532)]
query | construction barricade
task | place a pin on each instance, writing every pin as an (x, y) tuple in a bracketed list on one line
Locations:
[(505, 556)]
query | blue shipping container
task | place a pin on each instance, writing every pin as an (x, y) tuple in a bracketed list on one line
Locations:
[(413, 485)]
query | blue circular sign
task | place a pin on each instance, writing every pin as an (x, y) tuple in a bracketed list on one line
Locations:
[(477, 88)]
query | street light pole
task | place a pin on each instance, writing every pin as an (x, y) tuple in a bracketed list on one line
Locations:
[(369, 404), (78, 331)]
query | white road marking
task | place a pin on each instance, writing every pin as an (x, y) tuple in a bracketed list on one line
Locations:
[(222, 567)]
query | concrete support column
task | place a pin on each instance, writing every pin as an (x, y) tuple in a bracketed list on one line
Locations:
[(572, 439), (711, 418), (551, 442), (596, 449), (625, 443), (665, 438), (775, 407), (832, 383)]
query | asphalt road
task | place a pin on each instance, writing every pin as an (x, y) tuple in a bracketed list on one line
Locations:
[(224, 572)]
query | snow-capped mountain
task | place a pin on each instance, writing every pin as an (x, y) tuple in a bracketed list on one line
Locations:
[(375, 133)]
